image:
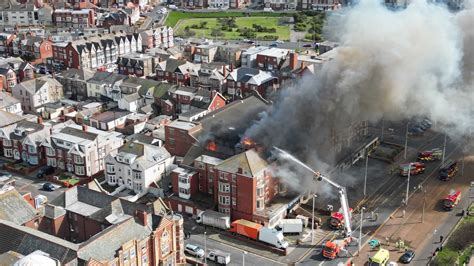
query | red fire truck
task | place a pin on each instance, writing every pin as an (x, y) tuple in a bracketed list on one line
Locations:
[(332, 248), (416, 168), (448, 170), (431, 155), (337, 219), (451, 200)]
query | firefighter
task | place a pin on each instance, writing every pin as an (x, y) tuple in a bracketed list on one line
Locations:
[(441, 239)]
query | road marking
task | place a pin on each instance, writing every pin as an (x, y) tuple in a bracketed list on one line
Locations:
[(322, 262)]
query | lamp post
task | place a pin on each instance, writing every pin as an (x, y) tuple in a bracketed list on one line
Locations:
[(205, 247), (406, 142), (383, 127), (365, 175), (424, 202), (444, 148), (312, 221), (361, 223), (243, 257), (408, 183)]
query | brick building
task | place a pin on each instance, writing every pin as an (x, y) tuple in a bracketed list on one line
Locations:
[(83, 18), (245, 81), (162, 37), (23, 142), (81, 149), (175, 71), (35, 48), (136, 64), (86, 227)]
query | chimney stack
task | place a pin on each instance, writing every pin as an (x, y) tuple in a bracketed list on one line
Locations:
[(40, 120), (142, 216), (293, 60), (224, 71), (84, 127)]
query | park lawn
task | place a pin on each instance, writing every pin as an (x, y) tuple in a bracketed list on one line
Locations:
[(175, 16), (282, 31)]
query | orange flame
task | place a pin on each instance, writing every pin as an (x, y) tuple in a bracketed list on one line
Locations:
[(212, 146), (248, 141)]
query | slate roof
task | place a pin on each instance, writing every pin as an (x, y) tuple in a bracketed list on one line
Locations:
[(78, 74), (163, 89), (6, 99), (14, 208), (250, 75), (25, 240), (109, 116), (249, 162), (7, 118)]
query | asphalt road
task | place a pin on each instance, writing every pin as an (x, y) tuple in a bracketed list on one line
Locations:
[(387, 198), (236, 255)]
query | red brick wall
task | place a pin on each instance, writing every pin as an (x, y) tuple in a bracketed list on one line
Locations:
[(217, 103), (246, 196), (182, 141), (46, 49)]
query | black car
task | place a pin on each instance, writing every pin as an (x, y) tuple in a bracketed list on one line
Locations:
[(48, 187), (44, 171), (407, 257)]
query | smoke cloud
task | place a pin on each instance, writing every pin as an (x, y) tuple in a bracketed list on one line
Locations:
[(396, 65)]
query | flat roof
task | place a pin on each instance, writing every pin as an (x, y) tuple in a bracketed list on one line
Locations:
[(275, 52), (182, 125), (82, 208)]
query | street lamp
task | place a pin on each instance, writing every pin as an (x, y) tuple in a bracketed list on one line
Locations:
[(243, 257), (365, 175), (424, 202), (406, 142), (312, 221), (205, 247), (444, 147), (361, 223), (408, 183)]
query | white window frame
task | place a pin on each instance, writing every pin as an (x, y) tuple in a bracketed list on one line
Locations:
[(80, 170)]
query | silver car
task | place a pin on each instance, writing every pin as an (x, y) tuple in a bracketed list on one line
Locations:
[(194, 250)]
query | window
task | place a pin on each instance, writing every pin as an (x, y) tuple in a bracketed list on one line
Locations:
[(234, 178), (200, 165), (78, 159), (132, 253), (125, 257), (184, 191), (259, 204), (144, 260), (112, 179), (7, 142), (51, 162), (224, 187), (260, 192), (8, 153), (137, 175), (224, 200), (165, 243), (31, 149), (110, 168), (80, 170), (184, 179), (234, 201)]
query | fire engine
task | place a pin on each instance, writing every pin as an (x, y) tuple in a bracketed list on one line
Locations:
[(416, 168), (448, 170), (332, 247), (451, 200), (431, 155), (337, 219)]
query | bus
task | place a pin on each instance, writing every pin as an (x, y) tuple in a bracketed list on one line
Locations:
[(448, 170), (380, 258)]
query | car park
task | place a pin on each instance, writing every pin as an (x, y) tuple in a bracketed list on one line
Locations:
[(194, 250), (407, 257), (48, 187)]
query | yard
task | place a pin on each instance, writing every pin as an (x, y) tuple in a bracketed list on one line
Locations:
[(212, 28), (175, 16)]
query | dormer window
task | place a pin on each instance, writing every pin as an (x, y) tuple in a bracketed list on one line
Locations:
[(119, 159)]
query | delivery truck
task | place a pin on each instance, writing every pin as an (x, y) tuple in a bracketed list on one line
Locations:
[(259, 232), (291, 226), (214, 219)]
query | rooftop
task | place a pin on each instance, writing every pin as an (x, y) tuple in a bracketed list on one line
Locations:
[(274, 52), (182, 125)]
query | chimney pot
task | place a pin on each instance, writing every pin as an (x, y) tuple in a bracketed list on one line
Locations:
[(40, 120), (84, 127), (142, 216), (293, 60)]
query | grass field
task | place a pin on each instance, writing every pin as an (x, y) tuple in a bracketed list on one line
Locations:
[(175, 16), (282, 31)]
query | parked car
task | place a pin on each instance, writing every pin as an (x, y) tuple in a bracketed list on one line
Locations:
[(407, 257), (194, 250), (308, 45), (48, 187), (44, 171), (5, 175), (274, 44), (279, 41)]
